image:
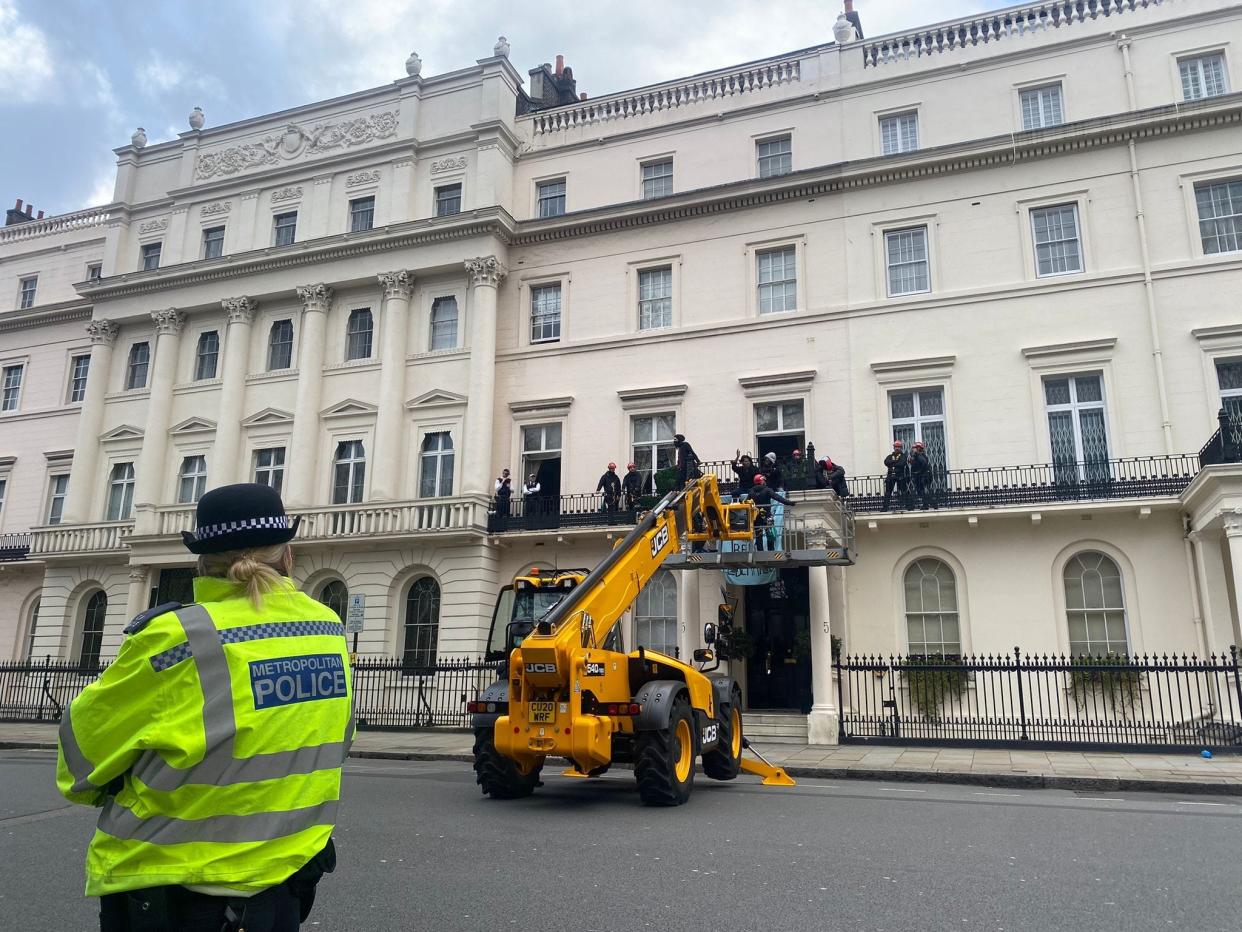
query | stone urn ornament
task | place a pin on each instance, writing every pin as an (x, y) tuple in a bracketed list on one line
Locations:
[(197, 119), (139, 138), (501, 48), (413, 65), (843, 30)]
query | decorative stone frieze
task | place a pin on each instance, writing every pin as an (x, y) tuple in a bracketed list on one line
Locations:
[(364, 177), (240, 310), (448, 165), (485, 270), (219, 207), (316, 297), (398, 284), (298, 141), (154, 226), (102, 332), (169, 321), (287, 194)]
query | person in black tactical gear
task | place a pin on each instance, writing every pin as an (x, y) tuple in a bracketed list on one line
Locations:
[(763, 496), (745, 469), (686, 459), (830, 475), (632, 487), (920, 473), (610, 484), (504, 492), (896, 475), (796, 471), (772, 474)]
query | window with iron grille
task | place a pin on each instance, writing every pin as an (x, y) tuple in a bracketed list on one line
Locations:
[(94, 615), (121, 492), (26, 292), (778, 280), (269, 467), (285, 228), (335, 595), (151, 256), (905, 256), (207, 355), (1203, 76), (361, 214), (932, 625), (1095, 605), (1041, 107), (919, 415), (213, 242), (1229, 377), (1220, 215), (139, 363), (348, 473), (655, 298), (448, 200), (358, 333), (1077, 427), (192, 482), (551, 197), (1058, 247), (12, 392), (443, 323), (774, 156), (79, 370), (899, 133), (421, 624), (652, 445), (280, 345), (655, 614), (545, 313), (57, 489), (436, 466), (658, 178)]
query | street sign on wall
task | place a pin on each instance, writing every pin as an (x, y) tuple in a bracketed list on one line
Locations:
[(354, 614)]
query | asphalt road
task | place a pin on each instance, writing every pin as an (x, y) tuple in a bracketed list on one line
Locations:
[(421, 849)]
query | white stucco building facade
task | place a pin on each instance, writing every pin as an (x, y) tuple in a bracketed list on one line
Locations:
[(1017, 238)]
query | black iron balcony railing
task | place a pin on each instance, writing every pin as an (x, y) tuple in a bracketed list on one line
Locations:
[(14, 547), (542, 513), (1226, 444), (1137, 477)]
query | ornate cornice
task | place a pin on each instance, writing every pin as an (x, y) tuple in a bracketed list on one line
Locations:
[(240, 310), (398, 284), (485, 270), (316, 297), (102, 332), (168, 322)]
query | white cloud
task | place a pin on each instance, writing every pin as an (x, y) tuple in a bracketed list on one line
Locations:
[(159, 75), (102, 187), (26, 67)]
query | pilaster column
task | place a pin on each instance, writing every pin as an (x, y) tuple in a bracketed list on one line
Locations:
[(82, 482), (224, 455), (486, 273), (152, 461), (1221, 635), (302, 463), (137, 595), (689, 623), (389, 436), (823, 724)]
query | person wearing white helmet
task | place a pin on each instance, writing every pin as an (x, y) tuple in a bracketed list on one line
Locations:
[(772, 474)]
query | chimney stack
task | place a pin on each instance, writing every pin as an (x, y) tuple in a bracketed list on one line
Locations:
[(560, 64), (16, 214), (40, 217)]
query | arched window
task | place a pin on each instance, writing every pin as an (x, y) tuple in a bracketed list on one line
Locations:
[(655, 614), (31, 627), (92, 629), (444, 323), (436, 469), (358, 332), (422, 624), (335, 595), (932, 627), (1095, 605)]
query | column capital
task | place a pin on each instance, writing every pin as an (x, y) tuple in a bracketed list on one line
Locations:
[(485, 270), (169, 321), (398, 284), (102, 332), (240, 310), (1232, 520), (316, 297)]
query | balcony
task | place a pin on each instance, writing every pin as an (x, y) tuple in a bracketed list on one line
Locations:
[(74, 539), (14, 547)]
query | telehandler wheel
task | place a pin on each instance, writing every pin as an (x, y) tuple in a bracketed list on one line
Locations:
[(500, 777), (664, 759), (725, 762)]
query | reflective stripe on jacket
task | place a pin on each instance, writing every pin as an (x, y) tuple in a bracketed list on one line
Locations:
[(214, 743)]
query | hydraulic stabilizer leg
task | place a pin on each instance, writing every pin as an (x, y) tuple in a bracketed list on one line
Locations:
[(772, 775)]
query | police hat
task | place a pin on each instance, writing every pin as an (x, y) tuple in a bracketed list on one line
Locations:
[(239, 517)]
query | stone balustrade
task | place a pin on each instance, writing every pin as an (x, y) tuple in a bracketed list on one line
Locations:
[(62, 223), (671, 96), (993, 27), (393, 519), (64, 539)]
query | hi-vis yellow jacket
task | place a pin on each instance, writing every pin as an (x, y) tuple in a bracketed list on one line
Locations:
[(222, 731)]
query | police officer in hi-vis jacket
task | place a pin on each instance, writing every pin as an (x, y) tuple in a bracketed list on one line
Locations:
[(214, 743)]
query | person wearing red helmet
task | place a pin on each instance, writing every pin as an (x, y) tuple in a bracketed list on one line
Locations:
[(830, 475), (896, 475), (632, 486), (610, 484), (763, 495), (920, 473)]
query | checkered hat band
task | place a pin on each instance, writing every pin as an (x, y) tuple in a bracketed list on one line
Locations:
[(271, 629), (250, 524)]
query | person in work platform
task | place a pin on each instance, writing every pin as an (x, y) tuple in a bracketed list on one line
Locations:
[(214, 743)]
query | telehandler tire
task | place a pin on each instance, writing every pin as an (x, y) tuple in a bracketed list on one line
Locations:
[(664, 759), (725, 762), (500, 777)]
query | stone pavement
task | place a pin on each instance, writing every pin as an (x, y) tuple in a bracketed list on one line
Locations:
[(1073, 770)]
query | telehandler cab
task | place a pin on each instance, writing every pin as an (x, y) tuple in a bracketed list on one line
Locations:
[(567, 688)]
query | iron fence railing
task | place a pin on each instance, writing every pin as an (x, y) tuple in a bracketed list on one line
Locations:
[(1124, 703), (392, 694), (540, 513), (14, 547), (1046, 483), (38, 691)]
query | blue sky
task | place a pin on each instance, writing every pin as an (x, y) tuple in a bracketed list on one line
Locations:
[(79, 75)]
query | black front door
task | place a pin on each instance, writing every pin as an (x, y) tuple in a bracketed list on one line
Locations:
[(778, 672)]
